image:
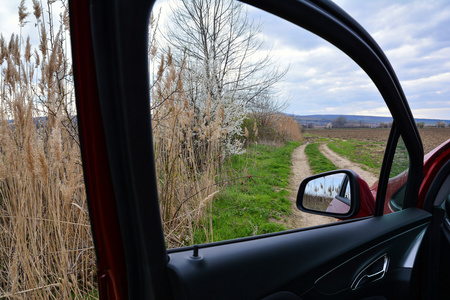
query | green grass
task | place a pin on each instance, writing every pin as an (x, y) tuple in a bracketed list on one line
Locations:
[(401, 159), (369, 154), (317, 161), (316, 138), (254, 196)]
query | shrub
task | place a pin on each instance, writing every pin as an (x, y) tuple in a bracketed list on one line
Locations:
[(441, 124), (277, 129)]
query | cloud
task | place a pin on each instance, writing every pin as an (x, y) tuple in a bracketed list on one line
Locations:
[(321, 79), (373, 111), (9, 20), (436, 113), (414, 36), (438, 83)]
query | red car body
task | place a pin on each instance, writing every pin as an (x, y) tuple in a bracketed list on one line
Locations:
[(433, 162)]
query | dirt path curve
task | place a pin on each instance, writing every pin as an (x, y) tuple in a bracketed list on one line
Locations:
[(301, 170), (343, 163)]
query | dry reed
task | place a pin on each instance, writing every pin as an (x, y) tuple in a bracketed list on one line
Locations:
[(276, 129), (288, 128), (187, 153), (46, 242)]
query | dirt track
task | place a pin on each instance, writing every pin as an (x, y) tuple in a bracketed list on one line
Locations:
[(301, 170), (343, 163)]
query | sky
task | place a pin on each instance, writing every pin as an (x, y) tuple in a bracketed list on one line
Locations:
[(415, 36)]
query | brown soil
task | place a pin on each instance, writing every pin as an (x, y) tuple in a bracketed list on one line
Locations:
[(431, 137), (301, 170), (363, 134), (343, 163)]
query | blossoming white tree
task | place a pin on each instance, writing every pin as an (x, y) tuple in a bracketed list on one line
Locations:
[(226, 69)]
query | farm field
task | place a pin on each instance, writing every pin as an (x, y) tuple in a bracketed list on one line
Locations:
[(431, 137)]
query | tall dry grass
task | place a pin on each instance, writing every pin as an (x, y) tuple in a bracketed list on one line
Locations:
[(287, 128), (46, 243), (188, 152), (273, 129)]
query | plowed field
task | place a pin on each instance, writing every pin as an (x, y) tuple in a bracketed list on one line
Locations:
[(431, 137)]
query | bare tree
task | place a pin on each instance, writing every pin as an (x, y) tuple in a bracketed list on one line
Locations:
[(339, 122), (265, 108), (224, 69)]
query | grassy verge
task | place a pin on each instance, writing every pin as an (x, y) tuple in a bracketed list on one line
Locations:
[(369, 154), (401, 159), (254, 196), (317, 161)]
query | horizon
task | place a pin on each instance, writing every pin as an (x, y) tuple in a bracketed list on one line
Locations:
[(370, 116)]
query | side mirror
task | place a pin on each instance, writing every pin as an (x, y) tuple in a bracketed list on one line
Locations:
[(335, 194)]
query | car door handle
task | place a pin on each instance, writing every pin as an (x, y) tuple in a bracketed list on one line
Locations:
[(373, 272)]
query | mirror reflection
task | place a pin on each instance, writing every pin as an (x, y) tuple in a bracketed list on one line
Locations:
[(328, 194)]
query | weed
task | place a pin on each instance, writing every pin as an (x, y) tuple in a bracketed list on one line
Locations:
[(272, 129), (254, 191), (401, 159), (317, 161), (367, 153)]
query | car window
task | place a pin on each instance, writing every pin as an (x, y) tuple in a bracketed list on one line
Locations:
[(398, 177), (241, 115)]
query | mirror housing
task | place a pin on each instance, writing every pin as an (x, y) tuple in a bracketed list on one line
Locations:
[(334, 194)]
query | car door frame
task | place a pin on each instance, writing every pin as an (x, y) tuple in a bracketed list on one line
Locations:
[(109, 46)]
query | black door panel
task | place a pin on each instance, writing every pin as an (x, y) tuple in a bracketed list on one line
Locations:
[(305, 263), (364, 274)]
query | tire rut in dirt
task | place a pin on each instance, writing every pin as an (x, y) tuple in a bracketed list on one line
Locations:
[(343, 163), (301, 170)]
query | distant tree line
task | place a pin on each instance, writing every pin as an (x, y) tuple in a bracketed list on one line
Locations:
[(385, 125), (342, 122), (439, 124)]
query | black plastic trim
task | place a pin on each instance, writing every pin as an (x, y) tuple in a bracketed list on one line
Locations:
[(257, 268), (354, 188), (120, 39), (431, 197), (386, 169)]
